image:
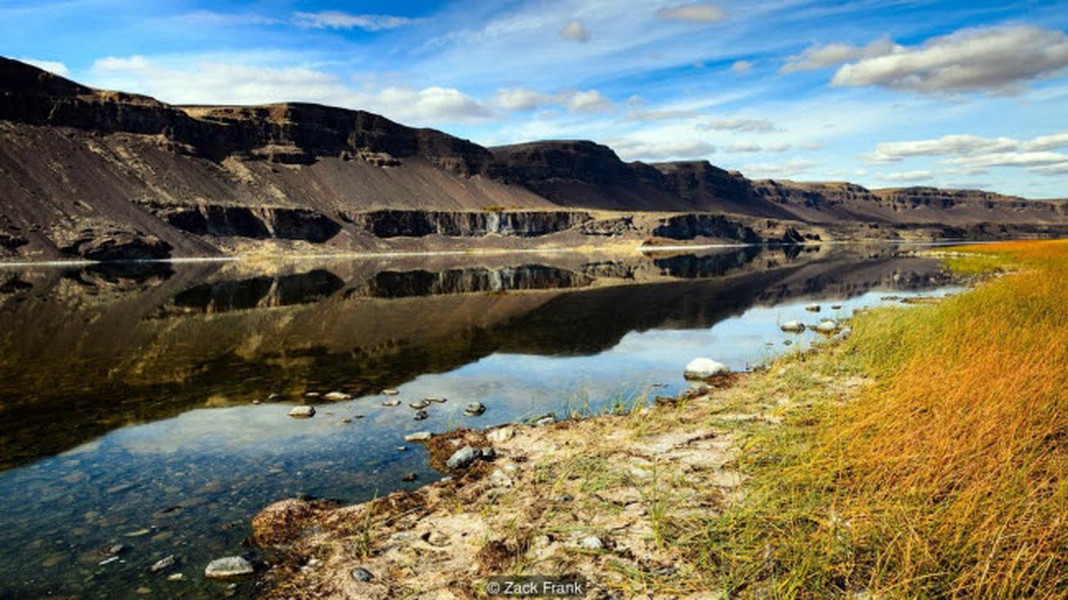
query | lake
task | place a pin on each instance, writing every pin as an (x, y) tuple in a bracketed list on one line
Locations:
[(145, 405)]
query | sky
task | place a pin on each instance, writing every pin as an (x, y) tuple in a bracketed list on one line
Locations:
[(885, 93)]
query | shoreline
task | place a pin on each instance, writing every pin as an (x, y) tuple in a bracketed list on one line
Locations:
[(579, 497)]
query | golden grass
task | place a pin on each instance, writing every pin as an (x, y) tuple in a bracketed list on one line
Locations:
[(947, 478)]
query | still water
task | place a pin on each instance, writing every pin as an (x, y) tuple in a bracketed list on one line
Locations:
[(146, 406)]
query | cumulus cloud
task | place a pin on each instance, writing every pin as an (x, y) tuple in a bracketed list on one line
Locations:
[(51, 66), (575, 31), (990, 59), (741, 66), (697, 12), (213, 82), (333, 19), (521, 99), (819, 57), (738, 124), (974, 154), (589, 101)]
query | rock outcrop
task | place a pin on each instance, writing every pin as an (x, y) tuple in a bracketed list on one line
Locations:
[(103, 175)]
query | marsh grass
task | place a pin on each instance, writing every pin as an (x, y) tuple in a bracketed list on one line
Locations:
[(947, 478)]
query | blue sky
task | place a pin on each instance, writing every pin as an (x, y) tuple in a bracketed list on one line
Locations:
[(884, 93)]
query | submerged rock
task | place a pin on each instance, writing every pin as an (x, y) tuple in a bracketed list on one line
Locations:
[(163, 564), (703, 368), (793, 327), (409, 477), (228, 566), (302, 412), (463, 457)]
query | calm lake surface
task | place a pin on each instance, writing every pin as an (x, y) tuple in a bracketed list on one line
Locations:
[(134, 400)]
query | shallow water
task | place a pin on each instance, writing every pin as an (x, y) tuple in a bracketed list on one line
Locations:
[(134, 401)]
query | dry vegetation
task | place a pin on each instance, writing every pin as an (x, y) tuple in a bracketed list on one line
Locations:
[(949, 478)]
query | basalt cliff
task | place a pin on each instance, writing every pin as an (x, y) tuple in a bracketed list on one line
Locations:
[(102, 175)]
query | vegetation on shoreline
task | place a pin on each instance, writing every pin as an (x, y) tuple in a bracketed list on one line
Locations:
[(947, 478)]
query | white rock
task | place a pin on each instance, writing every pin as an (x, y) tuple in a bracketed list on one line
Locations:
[(827, 326), (499, 479), (390, 392), (792, 327), (591, 543), (502, 434), (228, 566), (302, 412), (703, 368), (812, 307), (337, 396), (419, 436)]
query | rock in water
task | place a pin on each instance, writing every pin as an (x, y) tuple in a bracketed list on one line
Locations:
[(391, 403), (793, 327), (813, 308), (419, 404), (463, 457), (302, 412), (389, 392), (436, 399), (827, 326), (420, 415), (419, 436), (228, 566), (163, 564), (474, 409), (337, 396), (703, 368)]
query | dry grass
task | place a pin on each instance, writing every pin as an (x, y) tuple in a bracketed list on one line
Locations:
[(948, 478)]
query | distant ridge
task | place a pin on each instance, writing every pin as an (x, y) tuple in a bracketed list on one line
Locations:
[(108, 175)]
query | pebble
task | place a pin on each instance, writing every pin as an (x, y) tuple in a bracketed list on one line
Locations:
[(362, 575), (389, 392), (502, 434), (337, 396), (312, 394), (228, 566), (499, 479), (108, 561), (402, 448), (175, 577), (163, 564), (420, 415), (591, 543), (836, 307), (546, 420), (419, 404), (302, 412), (409, 477), (463, 457), (274, 397), (391, 403), (474, 409), (436, 399), (564, 498), (346, 421), (419, 436)]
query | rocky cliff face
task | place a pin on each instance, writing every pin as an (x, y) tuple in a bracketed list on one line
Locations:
[(107, 175)]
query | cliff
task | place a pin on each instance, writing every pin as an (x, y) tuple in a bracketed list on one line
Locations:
[(103, 175)]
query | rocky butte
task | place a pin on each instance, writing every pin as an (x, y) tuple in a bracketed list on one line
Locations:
[(103, 175)]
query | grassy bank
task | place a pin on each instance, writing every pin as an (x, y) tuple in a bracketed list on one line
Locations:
[(948, 477)]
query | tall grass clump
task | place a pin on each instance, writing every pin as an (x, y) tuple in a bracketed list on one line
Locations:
[(946, 478)]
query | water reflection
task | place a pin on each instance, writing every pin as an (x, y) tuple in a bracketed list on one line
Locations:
[(169, 358)]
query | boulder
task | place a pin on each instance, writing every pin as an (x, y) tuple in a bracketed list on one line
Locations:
[(228, 566), (337, 396), (474, 409), (827, 326), (703, 368), (812, 308), (793, 327), (463, 457), (302, 412)]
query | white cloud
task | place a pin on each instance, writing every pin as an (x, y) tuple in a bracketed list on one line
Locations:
[(696, 12), (644, 150), (909, 176), (819, 57), (740, 147), (51, 66), (777, 147), (972, 154), (575, 31), (207, 17), (588, 102), (739, 124), (183, 81), (332, 19), (741, 66), (778, 170), (521, 99), (992, 59)]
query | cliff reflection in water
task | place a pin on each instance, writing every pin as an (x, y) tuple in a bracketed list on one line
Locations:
[(85, 351)]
